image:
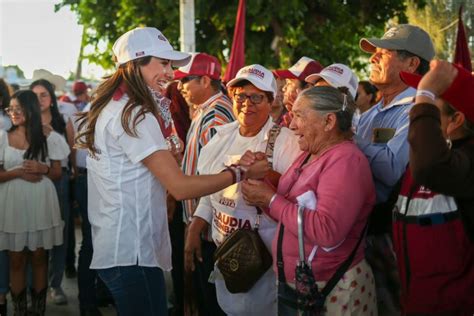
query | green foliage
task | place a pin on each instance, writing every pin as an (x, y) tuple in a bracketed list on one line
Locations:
[(19, 72), (278, 32)]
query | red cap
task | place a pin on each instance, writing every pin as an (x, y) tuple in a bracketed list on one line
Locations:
[(302, 69), (79, 87), (201, 64), (460, 94)]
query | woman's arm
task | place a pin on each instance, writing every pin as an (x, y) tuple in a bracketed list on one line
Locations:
[(70, 140), (164, 167), (432, 162), (10, 175), (54, 172)]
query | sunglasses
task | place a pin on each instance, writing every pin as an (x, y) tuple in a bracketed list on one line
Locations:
[(11, 111), (254, 98)]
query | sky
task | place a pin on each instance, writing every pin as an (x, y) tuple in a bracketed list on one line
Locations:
[(33, 36)]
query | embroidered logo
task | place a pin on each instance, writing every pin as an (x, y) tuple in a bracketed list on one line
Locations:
[(138, 54), (254, 71), (391, 33)]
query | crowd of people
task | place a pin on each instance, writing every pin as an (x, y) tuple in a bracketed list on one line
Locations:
[(361, 192)]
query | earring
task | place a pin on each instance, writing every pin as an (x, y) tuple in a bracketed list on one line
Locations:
[(449, 143)]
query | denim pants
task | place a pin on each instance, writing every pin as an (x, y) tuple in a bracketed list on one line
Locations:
[(86, 278), (57, 255), (136, 290), (4, 272)]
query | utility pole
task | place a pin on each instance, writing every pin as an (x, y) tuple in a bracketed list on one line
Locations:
[(186, 22)]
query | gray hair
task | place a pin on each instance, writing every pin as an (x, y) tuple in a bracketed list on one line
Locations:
[(325, 99)]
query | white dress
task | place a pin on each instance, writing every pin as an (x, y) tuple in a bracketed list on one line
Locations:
[(29, 212)]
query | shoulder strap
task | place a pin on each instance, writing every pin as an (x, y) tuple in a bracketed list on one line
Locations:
[(281, 270), (343, 267), (272, 136)]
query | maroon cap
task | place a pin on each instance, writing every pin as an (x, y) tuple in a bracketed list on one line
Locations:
[(201, 64), (460, 94), (302, 69), (79, 87)]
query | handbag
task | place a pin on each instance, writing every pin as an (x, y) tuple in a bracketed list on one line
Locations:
[(243, 257), (306, 295)]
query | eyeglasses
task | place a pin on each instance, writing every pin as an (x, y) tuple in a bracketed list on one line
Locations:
[(188, 79), (11, 111), (254, 98)]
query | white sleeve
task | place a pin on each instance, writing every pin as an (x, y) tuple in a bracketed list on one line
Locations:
[(58, 149), (148, 140), (286, 150), (204, 209)]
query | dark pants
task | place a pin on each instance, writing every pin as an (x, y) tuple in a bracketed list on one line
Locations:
[(86, 278), (176, 228), (136, 290), (206, 292)]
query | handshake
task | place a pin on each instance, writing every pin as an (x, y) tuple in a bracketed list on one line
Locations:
[(260, 181)]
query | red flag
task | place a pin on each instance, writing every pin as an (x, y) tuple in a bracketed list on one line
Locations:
[(237, 54), (462, 56)]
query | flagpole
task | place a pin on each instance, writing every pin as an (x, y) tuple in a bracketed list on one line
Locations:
[(186, 23)]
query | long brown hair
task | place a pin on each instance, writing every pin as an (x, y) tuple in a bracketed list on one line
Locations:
[(138, 94)]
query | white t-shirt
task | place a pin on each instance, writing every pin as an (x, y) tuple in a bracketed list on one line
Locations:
[(127, 204)]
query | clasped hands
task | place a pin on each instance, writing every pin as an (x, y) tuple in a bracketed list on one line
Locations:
[(32, 171), (255, 190)]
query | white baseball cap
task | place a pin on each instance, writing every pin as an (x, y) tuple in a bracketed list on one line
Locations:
[(337, 75), (146, 41), (257, 75)]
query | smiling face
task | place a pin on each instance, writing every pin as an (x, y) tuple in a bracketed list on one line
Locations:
[(192, 89), (16, 113), (309, 126), (251, 116), (386, 66), (157, 73)]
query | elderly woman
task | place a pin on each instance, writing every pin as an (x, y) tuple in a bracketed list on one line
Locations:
[(253, 91), (332, 182), (434, 220)]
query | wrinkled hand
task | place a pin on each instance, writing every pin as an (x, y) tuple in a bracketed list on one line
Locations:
[(192, 248), (257, 193), (33, 166), (438, 79)]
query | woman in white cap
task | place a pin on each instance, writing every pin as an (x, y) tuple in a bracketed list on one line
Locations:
[(130, 168), (253, 91)]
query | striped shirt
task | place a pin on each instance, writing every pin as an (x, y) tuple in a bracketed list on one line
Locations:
[(216, 111)]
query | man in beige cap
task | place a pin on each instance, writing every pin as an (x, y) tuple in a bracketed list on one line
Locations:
[(382, 131)]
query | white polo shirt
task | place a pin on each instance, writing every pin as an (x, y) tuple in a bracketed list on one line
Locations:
[(127, 204)]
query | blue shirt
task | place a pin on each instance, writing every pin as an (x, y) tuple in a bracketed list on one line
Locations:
[(389, 160)]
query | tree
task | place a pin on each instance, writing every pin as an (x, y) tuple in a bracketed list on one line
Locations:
[(278, 32), (439, 19)]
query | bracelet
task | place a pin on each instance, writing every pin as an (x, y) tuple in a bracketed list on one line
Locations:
[(426, 93), (237, 173)]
